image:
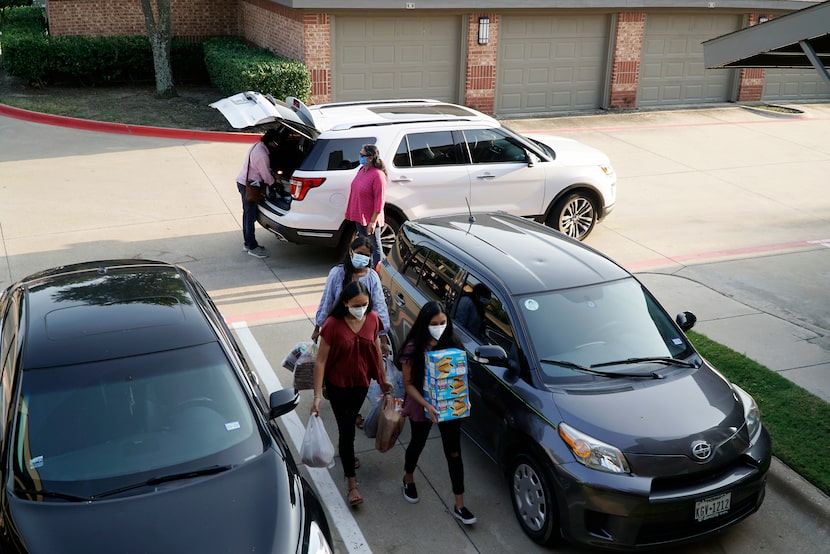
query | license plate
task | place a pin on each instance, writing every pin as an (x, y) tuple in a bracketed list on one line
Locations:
[(712, 507)]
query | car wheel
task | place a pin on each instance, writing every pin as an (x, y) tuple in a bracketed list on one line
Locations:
[(531, 488), (574, 215), (389, 233)]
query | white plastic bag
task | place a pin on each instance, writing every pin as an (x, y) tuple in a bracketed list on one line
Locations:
[(290, 360), (394, 376), (317, 449)]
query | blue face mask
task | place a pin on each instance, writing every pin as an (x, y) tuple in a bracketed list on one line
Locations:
[(359, 261), (362, 160)]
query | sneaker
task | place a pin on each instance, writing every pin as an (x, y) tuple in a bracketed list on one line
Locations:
[(464, 515), (410, 493), (258, 252)]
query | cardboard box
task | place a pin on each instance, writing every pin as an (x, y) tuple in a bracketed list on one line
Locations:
[(453, 408), (442, 389), (441, 364)]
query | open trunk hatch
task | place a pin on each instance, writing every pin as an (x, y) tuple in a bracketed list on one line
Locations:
[(248, 109)]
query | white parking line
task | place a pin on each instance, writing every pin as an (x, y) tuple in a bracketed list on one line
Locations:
[(340, 516)]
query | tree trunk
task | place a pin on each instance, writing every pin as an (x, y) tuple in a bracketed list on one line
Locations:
[(160, 36)]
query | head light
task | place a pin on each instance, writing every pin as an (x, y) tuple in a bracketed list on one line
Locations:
[(317, 543), (593, 453), (752, 414)]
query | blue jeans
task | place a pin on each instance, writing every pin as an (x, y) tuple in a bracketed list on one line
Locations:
[(250, 211), (375, 238)]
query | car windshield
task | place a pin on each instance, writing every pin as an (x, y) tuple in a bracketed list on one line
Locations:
[(90, 428), (618, 322)]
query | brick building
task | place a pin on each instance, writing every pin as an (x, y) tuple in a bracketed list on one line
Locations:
[(524, 58)]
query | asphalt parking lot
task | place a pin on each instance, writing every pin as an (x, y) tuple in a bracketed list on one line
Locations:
[(722, 211)]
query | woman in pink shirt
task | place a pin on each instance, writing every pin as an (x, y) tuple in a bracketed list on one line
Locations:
[(367, 197)]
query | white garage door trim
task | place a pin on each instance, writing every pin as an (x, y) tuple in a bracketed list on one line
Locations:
[(550, 63), (396, 57), (671, 65)]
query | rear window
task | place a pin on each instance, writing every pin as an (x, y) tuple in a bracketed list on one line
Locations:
[(334, 154)]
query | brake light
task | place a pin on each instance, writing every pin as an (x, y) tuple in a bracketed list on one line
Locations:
[(301, 185)]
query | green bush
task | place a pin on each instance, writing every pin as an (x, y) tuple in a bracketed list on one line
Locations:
[(225, 62), (29, 53), (21, 13), (235, 67)]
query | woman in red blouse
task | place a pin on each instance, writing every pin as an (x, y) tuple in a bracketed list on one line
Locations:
[(348, 357)]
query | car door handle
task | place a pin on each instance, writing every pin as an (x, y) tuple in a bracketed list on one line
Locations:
[(399, 300), (402, 179), (486, 176)]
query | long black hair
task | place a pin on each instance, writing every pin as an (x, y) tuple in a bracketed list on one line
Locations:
[(374, 157), (339, 310), (419, 336), (348, 268)]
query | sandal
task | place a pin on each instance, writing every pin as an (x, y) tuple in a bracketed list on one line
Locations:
[(354, 497), (359, 421)]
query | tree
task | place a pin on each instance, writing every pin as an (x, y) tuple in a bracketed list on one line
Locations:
[(159, 32)]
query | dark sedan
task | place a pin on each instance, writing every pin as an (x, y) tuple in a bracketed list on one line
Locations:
[(133, 423), (612, 431)]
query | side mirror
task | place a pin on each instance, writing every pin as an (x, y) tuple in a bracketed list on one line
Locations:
[(491, 354), (282, 402), (686, 320)]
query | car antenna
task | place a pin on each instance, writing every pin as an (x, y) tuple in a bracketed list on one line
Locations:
[(472, 217)]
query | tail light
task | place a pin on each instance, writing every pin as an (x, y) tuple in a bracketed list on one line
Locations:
[(301, 185)]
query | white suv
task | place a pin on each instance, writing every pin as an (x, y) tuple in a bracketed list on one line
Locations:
[(441, 158)]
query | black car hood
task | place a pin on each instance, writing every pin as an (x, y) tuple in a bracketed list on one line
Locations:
[(656, 417), (245, 509)]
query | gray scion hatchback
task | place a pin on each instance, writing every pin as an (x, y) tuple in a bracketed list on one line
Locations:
[(612, 431), (132, 422)]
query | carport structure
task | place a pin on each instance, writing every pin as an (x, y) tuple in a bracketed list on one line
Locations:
[(799, 39)]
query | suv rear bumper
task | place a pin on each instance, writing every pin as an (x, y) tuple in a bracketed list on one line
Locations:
[(269, 218)]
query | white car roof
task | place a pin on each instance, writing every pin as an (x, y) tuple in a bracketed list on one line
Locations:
[(248, 109)]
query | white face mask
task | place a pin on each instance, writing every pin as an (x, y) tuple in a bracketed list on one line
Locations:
[(437, 330), (358, 311)]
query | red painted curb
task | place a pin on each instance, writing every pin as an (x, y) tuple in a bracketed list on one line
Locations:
[(125, 128)]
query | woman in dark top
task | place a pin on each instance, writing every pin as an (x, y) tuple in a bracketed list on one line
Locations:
[(349, 355), (432, 330)]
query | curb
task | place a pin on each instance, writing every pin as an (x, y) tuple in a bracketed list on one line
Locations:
[(792, 113), (810, 498), (125, 128)]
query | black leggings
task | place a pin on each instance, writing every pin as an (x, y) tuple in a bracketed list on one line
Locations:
[(346, 404), (451, 439)]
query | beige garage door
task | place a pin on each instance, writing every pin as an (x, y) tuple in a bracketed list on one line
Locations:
[(396, 57), (671, 67), (551, 63), (794, 84)]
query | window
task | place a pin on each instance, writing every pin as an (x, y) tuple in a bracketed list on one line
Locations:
[(94, 427), (437, 277), (335, 154), (427, 149), (493, 146), (8, 356)]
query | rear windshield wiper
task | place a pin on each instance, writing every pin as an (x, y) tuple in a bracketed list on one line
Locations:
[(51, 494), (656, 359), (593, 371), (163, 479)]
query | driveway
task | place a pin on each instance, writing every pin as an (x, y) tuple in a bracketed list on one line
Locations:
[(726, 199)]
